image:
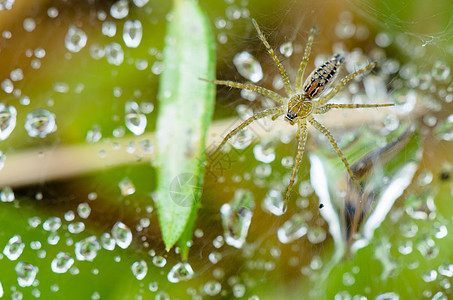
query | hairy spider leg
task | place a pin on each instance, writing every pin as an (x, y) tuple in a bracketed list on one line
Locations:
[(271, 111), (327, 107), (285, 78), (342, 83), (327, 133), (304, 61), (302, 137), (251, 87)]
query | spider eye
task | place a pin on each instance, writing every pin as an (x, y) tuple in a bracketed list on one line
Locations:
[(291, 116)]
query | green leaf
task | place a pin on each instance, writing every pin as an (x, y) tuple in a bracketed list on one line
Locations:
[(186, 106)]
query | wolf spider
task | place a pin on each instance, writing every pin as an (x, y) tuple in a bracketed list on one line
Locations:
[(301, 102)]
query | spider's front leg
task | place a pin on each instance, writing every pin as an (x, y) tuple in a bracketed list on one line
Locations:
[(302, 138), (276, 112)]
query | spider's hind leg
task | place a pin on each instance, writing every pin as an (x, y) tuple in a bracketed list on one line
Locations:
[(327, 133), (302, 138)]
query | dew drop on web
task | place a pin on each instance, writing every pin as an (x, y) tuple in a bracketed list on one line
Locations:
[(132, 33), (248, 66), (122, 235), (75, 39)]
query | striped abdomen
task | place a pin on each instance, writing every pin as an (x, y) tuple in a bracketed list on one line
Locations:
[(319, 78)]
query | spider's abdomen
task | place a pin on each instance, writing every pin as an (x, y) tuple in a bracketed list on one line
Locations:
[(319, 78)]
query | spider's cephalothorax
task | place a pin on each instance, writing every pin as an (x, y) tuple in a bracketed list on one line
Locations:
[(299, 106), (302, 101)]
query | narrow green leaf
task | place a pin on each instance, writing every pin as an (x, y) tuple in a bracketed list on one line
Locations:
[(186, 105)]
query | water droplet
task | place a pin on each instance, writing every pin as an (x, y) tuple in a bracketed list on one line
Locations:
[(273, 202), (14, 248), (120, 9), (162, 295), (157, 68), (114, 54), (248, 66), (34, 222), (97, 51), (212, 287), (62, 262), (440, 71), (428, 248), (140, 3), (52, 224), (348, 279), (429, 276), (287, 49), (75, 39), (265, 151), (159, 261), (439, 230), (84, 210), (107, 242), (53, 238), (122, 235), (26, 273), (446, 269), (421, 207), (153, 286), (180, 272), (7, 194), (139, 269), (405, 247), (292, 229), (52, 12), (305, 188), (445, 129), (383, 39), (242, 139), (109, 28), (29, 24), (6, 4), (94, 135), (7, 86), (16, 74), (134, 119), (76, 227), (8, 115), (87, 249), (126, 186), (239, 290), (40, 123), (132, 33), (316, 235), (215, 257), (236, 217)]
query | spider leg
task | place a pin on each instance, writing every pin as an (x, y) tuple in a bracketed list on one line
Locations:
[(260, 90), (327, 133), (342, 83), (285, 78), (302, 137), (327, 107), (260, 115), (304, 61)]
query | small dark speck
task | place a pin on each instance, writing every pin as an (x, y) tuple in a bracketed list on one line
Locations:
[(444, 176), (321, 206)]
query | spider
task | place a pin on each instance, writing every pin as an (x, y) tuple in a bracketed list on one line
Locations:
[(302, 101)]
